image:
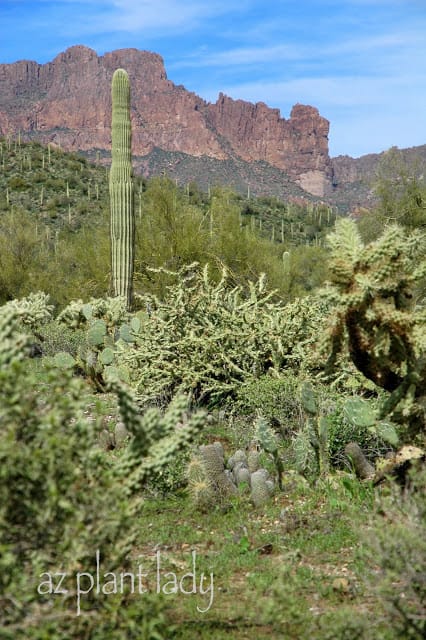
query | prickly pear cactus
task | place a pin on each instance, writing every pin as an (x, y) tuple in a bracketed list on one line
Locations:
[(359, 413), (308, 399), (107, 322)]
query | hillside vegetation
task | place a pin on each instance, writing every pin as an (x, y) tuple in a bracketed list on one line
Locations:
[(55, 223)]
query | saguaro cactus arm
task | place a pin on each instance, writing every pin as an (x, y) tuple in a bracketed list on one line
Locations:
[(122, 226)]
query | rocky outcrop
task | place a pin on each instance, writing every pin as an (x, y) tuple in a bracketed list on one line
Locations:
[(299, 145), (67, 101)]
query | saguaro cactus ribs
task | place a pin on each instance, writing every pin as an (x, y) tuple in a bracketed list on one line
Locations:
[(121, 189)]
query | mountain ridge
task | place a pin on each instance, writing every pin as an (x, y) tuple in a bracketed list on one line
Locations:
[(67, 101), (248, 146)]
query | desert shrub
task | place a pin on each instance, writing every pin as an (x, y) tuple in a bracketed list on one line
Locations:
[(208, 338), (401, 188), (62, 499), (395, 548), (21, 253), (276, 397), (328, 421), (58, 337), (172, 477), (16, 182), (341, 431)]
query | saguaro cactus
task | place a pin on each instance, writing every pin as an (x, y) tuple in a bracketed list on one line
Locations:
[(122, 226)]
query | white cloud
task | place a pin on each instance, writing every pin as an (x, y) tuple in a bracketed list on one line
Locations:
[(379, 50), (243, 56), (138, 16)]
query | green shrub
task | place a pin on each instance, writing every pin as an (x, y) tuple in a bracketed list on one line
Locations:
[(276, 397), (341, 431), (61, 500), (394, 546), (58, 337), (205, 339)]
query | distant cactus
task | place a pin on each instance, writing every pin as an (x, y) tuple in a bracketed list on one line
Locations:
[(121, 434), (201, 490), (210, 483), (239, 456), (261, 488), (253, 460), (215, 470), (241, 473), (268, 441), (363, 468), (121, 189)]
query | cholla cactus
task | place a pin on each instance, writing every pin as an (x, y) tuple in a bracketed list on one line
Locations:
[(78, 314), (155, 438), (375, 313), (121, 189), (32, 310), (12, 341)]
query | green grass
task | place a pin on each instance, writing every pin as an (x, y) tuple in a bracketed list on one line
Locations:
[(249, 552)]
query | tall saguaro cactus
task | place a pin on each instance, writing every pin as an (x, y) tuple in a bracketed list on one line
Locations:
[(121, 189)]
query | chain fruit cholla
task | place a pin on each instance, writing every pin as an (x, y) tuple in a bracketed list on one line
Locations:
[(121, 189)]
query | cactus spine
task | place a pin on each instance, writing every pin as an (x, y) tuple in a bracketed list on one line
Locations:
[(121, 189)]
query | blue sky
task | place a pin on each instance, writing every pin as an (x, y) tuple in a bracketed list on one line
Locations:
[(362, 63)]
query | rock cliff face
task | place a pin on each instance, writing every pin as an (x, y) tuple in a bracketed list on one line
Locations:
[(67, 101)]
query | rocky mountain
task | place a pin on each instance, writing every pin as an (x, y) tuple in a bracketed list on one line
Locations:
[(67, 101), (354, 178), (249, 147)]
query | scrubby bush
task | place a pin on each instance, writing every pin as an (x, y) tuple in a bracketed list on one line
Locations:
[(341, 431), (276, 397), (57, 338), (208, 338), (394, 546), (62, 499)]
